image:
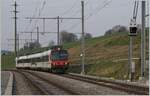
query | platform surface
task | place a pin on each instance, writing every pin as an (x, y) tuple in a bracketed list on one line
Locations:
[(4, 81)]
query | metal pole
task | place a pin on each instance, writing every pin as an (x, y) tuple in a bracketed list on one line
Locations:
[(43, 24), (82, 45), (15, 12), (57, 18), (130, 57), (143, 40), (18, 42), (31, 36), (38, 34), (58, 41)]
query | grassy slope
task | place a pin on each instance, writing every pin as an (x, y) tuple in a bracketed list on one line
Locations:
[(102, 53), (7, 61)]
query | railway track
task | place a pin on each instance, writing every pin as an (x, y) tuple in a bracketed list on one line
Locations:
[(51, 87), (132, 89), (31, 83), (41, 86), (57, 89)]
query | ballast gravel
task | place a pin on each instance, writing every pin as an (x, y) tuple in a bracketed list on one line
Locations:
[(80, 87), (22, 86)]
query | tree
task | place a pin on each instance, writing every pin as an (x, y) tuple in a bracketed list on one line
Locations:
[(88, 36), (118, 29), (108, 32), (28, 48), (68, 37), (51, 43), (32, 45)]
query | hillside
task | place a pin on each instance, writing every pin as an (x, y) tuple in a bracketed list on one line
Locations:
[(7, 61), (104, 56)]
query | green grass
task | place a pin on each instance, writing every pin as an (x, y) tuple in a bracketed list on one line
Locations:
[(72, 44), (105, 49), (109, 69), (100, 53), (7, 61), (121, 40)]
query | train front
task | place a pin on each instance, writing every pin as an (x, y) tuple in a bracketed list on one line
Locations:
[(59, 60)]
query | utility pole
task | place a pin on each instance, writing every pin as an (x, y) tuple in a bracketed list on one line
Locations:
[(15, 26), (83, 41), (58, 33), (43, 24), (38, 34), (143, 40), (130, 57), (18, 42), (56, 18), (31, 36), (20, 39)]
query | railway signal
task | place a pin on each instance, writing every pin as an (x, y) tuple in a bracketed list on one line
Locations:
[(132, 34), (133, 28)]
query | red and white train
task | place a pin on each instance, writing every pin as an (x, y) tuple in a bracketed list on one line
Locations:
[(54, 60)]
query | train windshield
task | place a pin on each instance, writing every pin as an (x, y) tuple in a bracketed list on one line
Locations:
[(59, 55)]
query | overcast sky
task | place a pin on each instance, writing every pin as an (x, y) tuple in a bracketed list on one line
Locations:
[(116, 12)]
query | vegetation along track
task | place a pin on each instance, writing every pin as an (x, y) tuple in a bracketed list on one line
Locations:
[(60, 89), (133, 89)]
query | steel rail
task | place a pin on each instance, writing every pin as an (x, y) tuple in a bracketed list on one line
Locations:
[(133, 89), (30, 81), (71, 92)]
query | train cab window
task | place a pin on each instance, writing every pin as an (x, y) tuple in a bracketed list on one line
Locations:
[(63, 54), (59, 55)]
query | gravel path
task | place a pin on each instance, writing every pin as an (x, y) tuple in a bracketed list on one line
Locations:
[(4, 81), (80, 87)]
